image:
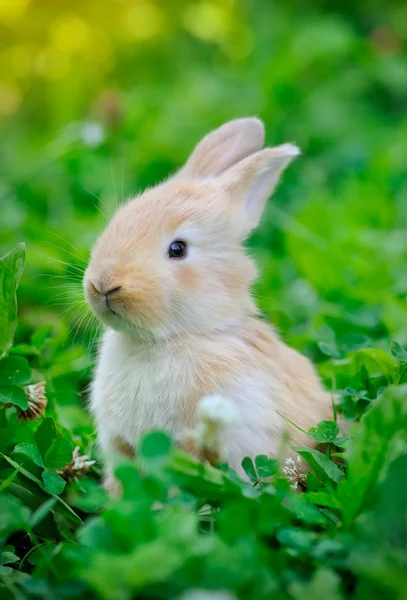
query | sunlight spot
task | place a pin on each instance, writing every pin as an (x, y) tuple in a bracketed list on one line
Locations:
[(208, 21), (11, 10), (143, 21), (70, 34)]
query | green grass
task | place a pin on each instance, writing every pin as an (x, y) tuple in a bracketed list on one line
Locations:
[(96, 105)]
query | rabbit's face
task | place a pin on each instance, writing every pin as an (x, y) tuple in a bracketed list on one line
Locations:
[(171, 261)]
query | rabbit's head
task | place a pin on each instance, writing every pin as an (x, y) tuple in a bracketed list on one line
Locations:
[(171, 260)]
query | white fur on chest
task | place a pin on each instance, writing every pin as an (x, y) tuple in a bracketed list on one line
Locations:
[(139, 389), (135, 390)]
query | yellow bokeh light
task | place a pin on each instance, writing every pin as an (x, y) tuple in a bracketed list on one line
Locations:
[(11, 10), (70, 34), (143, 21), (208, 21), (10, 99)]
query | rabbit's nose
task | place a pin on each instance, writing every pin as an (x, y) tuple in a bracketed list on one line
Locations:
[(107, 291), (112, 291), (104, 289)]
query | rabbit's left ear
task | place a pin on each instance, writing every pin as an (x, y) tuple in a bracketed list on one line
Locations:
[(224, 147), (249, 184)]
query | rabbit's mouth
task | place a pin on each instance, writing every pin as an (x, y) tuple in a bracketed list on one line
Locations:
[(110, 310), (107, 314), (109, 307), (103, 304)]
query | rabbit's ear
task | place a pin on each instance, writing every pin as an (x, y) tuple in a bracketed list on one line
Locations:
[(251, 182), (224, 147)]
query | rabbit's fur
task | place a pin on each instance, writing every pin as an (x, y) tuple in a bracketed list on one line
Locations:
[(180, 329)]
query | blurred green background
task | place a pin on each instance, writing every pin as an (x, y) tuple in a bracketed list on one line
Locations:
[(100, 99)]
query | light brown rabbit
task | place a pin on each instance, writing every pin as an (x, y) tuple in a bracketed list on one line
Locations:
[(170, 280)]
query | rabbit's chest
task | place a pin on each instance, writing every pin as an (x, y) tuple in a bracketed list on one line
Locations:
[(136, 391), (139, 391)]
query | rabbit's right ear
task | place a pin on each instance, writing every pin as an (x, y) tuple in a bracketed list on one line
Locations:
[(249, 184), (224, 147)]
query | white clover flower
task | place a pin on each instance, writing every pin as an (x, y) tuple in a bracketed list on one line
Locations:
[(80, 462), (78, 467), (294, 472), (217, 416), (37, 402), (219, 410), (207, 595), (92, 134)]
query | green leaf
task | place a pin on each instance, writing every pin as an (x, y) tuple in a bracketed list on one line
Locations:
[(31, 451), (382, 435), (10, 478), (11, 269), (326, 470), (325, 432), (266, 466), (324, 585), (128, 475), (45, 435), (399, 352), (249, 469), (117, 575), (54, 484), (155, 445), (342, 442), (298, 540), (14, 370), (7, 558), (39, 338), (329, 350), (14, 515), (361, 395), (322, 498), (14, 394), (5, 570), (24, 350), (41, 554), (64, 509), (389, 518), (375, 359), (59, 454), (305, 511), (44, 509), (364, 377), (22, 470), (89, 496), (313, 483)]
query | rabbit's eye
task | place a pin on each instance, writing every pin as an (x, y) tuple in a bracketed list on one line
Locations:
[(178, 249)]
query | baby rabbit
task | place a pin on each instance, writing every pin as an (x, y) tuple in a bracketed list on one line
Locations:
[(170, 280)]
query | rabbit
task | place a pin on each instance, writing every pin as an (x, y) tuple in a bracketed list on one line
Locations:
[(170, 280)]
